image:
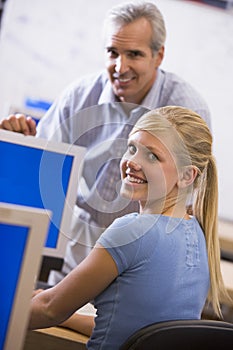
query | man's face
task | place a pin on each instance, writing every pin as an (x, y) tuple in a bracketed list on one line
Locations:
[(130, 62)]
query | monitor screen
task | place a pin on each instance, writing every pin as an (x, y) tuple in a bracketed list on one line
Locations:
[(43, 174), (22, 234)]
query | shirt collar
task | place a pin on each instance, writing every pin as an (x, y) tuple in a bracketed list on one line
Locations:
[(107, 94), (151, 100)]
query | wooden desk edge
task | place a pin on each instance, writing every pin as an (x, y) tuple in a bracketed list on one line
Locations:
[(55, 338), (65, 334)]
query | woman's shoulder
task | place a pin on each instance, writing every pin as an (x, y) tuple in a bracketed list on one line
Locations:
[(128, 228)]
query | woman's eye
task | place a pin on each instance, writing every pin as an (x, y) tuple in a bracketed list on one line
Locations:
[(131, 149), (153, 157)]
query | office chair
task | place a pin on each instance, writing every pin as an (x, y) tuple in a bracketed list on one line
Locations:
[(182, 335)]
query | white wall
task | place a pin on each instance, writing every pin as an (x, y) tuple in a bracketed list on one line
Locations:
[(46, 44)]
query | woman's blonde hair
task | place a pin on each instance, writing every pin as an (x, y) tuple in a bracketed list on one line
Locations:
[(193, 145)]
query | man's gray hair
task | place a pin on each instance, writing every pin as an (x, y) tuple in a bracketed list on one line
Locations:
[(129, 12)]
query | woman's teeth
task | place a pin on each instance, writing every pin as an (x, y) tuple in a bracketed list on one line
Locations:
[(133, 179)]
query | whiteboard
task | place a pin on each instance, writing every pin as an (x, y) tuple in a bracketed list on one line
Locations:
[(46, 46)]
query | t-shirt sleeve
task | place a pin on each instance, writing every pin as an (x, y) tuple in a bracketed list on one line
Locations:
[(123, 239)]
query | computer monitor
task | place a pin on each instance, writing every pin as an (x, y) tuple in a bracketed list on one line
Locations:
[(23, 231), (39, 173)]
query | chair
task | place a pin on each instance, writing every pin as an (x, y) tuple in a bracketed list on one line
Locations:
[(182, 335)]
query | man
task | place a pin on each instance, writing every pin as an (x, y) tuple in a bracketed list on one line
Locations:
[(98, 113)]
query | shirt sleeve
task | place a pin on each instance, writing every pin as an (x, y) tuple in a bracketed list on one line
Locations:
[(59, 122), (53, 124), (178, 92), (123, 239)]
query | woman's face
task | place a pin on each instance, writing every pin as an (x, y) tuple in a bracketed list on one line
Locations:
[(148, 170)]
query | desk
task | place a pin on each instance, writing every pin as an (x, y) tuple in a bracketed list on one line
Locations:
[(58, 338), (55, 338)]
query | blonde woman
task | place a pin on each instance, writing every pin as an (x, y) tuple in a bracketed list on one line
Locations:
[(156, 265)]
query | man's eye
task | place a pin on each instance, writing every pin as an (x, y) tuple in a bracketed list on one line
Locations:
[(134, 54), (112, 53)]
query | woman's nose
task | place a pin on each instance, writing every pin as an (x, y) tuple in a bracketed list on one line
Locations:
[(132, 164)]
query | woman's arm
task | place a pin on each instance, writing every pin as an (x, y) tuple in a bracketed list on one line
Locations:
[(55, 305), (80, 323)]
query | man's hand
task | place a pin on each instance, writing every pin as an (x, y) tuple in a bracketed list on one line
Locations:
[(36, 291), (19, 123)]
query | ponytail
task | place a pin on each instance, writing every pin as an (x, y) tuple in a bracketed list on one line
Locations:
[(206, 212)]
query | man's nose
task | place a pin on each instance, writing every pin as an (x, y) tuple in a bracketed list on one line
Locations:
[(121, 65)]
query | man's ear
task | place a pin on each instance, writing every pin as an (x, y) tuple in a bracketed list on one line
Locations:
[(159, 57), (187, 176)]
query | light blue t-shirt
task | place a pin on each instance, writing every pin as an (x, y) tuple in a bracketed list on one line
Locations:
[(163, 275)]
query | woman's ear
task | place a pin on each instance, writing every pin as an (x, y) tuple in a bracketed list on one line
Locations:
[(187, 176)]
